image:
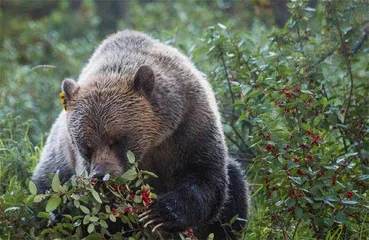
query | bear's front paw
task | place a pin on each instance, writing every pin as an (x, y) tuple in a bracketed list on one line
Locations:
[(164, 213)]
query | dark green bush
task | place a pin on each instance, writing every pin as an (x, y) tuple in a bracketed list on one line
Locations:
[(298, 101), (82, 208), (294, 103)]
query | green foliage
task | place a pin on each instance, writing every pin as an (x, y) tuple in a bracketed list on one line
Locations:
[(18, 155), (294, 100), (36, 56), (298, 102), (82, 208)]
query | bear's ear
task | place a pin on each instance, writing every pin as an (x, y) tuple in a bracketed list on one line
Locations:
[(144, 80), (69, 89)]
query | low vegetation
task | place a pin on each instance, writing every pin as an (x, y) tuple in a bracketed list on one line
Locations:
[(295, 111)]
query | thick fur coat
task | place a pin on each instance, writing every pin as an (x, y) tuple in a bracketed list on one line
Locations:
[(140, 95)]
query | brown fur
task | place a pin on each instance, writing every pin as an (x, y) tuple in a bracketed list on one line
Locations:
[(140, 95)]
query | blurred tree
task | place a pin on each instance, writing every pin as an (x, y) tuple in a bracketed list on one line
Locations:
[(110, 11)]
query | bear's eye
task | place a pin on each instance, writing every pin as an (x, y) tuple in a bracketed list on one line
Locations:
[(120, 141)]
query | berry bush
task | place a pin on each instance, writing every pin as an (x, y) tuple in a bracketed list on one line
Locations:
[(297, 101), (294, 104)]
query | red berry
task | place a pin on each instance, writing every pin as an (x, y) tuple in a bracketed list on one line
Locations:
[(296, 159), (267, 181), (114, 211), (334, 181), (131, 194), (190, 233), (349, 194), (300, 172), (309, 157), (269, 147), (135, 210), (93, 181), (267, 136), (288, 95), (145, 196), (297, 90), (127, 210)]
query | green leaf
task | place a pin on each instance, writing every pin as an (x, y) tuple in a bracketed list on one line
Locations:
[(55, 184), (112, 218), (243, 116), (103, 223), (181, 236), (68, 225), (305, 126), (309, 200), (317, 120), (341, 216), (53, 203), (11, 209), (96, 196), (349, 202), (32, 188), (211, 236), (39, 198), (137, 199), (149, 173), (44, 215), (299, 213), (94, 236), (328, 221), (131, 157), (90, 228), (296, 180), (130, 175), (364, 177), (222, 26), (86, 219), (323, 101), (107, 209), (84, 209), (233, 219), (94, 219), (254, 93), (46, 231), (68, 216), (76, 203)]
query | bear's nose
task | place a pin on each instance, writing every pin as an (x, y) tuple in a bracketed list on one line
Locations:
[(98, 172)]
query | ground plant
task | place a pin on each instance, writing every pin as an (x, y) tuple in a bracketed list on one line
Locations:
[(294, 103)]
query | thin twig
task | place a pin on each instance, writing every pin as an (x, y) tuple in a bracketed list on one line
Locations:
[(296, 227), (348, 65), (232, 97)]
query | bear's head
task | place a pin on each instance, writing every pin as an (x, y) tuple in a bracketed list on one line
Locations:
[(109, 115)]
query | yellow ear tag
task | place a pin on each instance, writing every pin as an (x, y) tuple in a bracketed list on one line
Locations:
[(62, 100)]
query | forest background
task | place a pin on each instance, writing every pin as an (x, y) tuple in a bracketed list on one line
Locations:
[(291, 79)]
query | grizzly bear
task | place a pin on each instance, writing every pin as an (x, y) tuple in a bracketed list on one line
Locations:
[(141, 95)]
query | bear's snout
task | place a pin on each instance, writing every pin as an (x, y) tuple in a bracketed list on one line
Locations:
[(105, 161), (101, 170)]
